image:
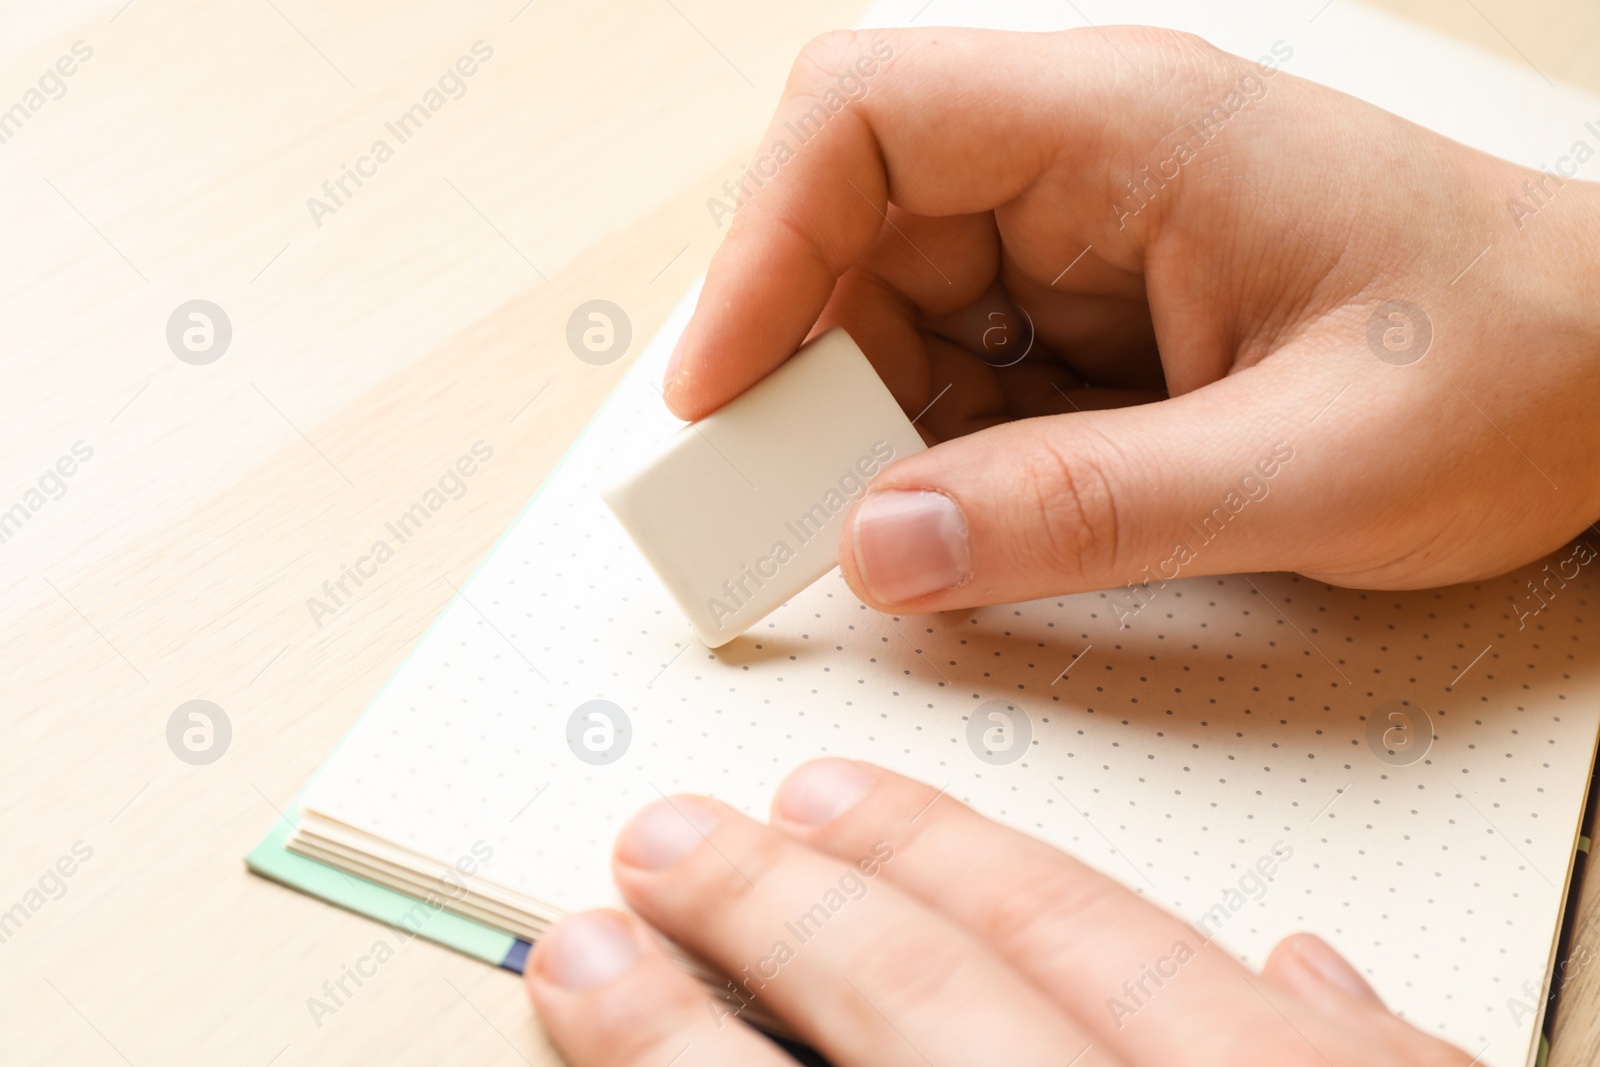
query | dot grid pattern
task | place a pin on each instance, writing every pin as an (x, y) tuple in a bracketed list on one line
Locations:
[(1229, 716)]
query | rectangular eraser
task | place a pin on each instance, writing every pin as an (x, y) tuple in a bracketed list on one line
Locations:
[(743, 509)]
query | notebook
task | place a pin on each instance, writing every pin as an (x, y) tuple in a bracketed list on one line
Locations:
[(1417, 762)]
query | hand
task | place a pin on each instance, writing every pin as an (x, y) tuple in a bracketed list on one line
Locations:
[(1370, 352), (885, 923)]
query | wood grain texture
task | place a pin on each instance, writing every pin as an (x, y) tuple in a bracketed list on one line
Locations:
[(427, 313)]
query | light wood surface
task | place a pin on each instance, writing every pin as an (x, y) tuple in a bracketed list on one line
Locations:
[(426, 313)]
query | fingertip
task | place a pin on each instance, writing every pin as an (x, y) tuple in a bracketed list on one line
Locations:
[(1308, 965), (582, 952), (677, 384), (690, 388), (664, 832), (821, 790), (606, 991), (670, 392)]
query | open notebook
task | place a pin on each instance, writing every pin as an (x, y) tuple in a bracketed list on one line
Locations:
[(1418, 762)]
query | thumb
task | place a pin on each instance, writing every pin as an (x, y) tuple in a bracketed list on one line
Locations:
[(1067, 503)]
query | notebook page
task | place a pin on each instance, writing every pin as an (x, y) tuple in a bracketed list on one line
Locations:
[(1208, 723), (1224, 718)]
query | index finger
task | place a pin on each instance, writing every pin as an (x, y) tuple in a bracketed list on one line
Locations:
[(1094, 947), (940, 122)]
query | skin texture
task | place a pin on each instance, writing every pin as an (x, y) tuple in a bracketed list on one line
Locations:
[(952, 940), (1175, 337), (978, 166)]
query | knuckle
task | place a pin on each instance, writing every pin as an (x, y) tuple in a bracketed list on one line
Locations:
[(1047, 908), (821, 59), (1076, 508), (1175, 44), (721, 880), (840, 63), (1157, 49), (906, 966), (1184, 67)]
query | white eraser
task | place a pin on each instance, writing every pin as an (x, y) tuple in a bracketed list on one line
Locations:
[(743, 509)]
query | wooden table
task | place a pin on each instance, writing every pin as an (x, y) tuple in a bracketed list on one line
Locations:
[(374, 340)]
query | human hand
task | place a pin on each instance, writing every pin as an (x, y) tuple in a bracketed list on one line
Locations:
[(1357, 349), (885, 923)]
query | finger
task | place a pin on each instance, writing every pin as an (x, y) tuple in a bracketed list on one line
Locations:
[(1110, 340), (898, 312), (910, 134), (1089, 500), (1144, 983), (896, 295), (966, 396), (884, 296), (608, 996), (1314, 971), (963, 371), (1312, 968), (989, 326), (858, 969)]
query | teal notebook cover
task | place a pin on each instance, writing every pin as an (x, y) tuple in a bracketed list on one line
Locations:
[(406, 913)]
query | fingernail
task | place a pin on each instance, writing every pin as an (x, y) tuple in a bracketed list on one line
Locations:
[(1326, 963), (663, 833), (822, 790), (587, 950), (910, 544)]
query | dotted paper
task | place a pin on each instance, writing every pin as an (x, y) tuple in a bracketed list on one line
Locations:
[(1226, 716)]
